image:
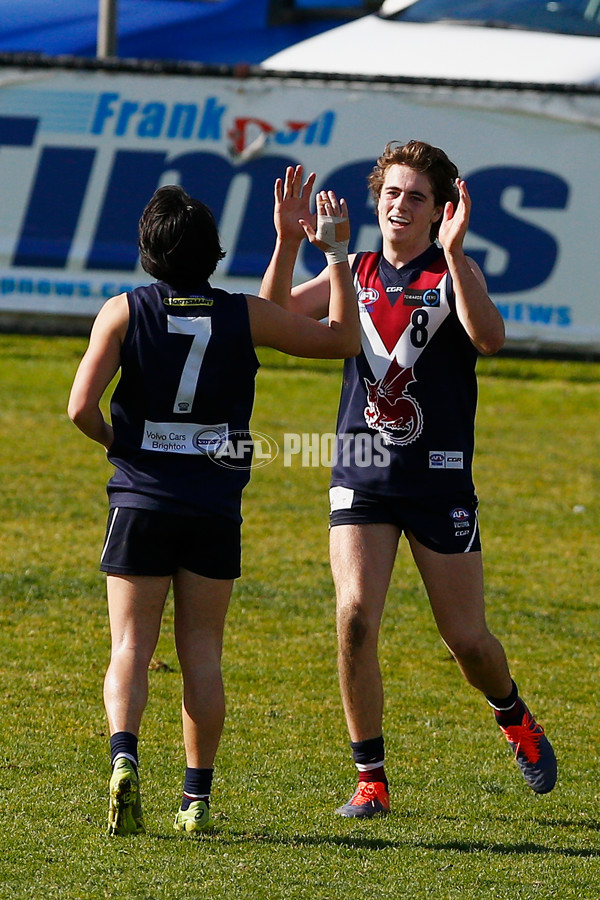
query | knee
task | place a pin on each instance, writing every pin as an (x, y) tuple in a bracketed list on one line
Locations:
[(469, 649), (354, 626), (131, 654)]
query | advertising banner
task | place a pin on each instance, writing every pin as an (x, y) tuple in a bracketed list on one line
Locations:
[(82, 151)]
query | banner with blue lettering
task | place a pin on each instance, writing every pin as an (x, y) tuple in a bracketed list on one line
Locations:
[(81, 152)]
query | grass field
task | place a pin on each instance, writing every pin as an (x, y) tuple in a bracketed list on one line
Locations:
[(464, 824)]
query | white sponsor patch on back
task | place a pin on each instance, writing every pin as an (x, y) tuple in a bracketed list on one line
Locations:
[(178, 437)]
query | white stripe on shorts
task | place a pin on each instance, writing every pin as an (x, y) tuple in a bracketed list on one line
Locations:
[(476, 526), (110, 528)]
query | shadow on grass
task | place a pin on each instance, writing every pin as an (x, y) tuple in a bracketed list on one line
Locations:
[(527, 848), (355, 842)]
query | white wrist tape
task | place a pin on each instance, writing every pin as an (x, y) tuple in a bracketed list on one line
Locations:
[(337, 251)]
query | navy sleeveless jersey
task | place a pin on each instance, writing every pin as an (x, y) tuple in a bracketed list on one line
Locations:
[(186, 392), (407, 410)]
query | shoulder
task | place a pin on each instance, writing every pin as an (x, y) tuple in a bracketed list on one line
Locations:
[(114, 316), (226, 297), (258, 307), (362, 256), (365, 261)]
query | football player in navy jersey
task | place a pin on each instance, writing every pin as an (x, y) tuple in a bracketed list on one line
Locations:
[(425, 315), (187, 364)]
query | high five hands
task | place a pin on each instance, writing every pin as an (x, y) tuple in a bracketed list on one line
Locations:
[(292, 203), (455, 222), (333, 228)]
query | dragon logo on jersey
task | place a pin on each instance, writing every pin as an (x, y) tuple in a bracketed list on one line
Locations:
[(391, 409)]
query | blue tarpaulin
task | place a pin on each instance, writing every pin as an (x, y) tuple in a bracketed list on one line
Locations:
[(210, 31)]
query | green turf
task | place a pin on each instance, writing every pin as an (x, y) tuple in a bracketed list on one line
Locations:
[(464, 824)]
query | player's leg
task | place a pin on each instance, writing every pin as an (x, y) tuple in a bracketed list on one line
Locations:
[(135, 606), (454, 584), (362, 559), (200, 609)]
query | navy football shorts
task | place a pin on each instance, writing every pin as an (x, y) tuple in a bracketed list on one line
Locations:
[(150, 542), (445, 524)]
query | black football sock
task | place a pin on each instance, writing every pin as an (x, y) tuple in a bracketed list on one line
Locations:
[(369, 759), (196, 786), (124, 744), (508, 710)]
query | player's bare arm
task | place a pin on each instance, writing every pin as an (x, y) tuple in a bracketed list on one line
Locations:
[(478, 315), (98, 367), (301, 335)]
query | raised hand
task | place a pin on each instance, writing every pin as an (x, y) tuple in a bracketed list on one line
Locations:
[(292, 203), (455, 223), (333, 227)]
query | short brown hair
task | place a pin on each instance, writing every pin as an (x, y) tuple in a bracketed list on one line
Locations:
[(178, 239), (422, 157)]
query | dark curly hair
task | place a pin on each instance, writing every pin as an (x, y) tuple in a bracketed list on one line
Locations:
[(422, 157), (178, 239)]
